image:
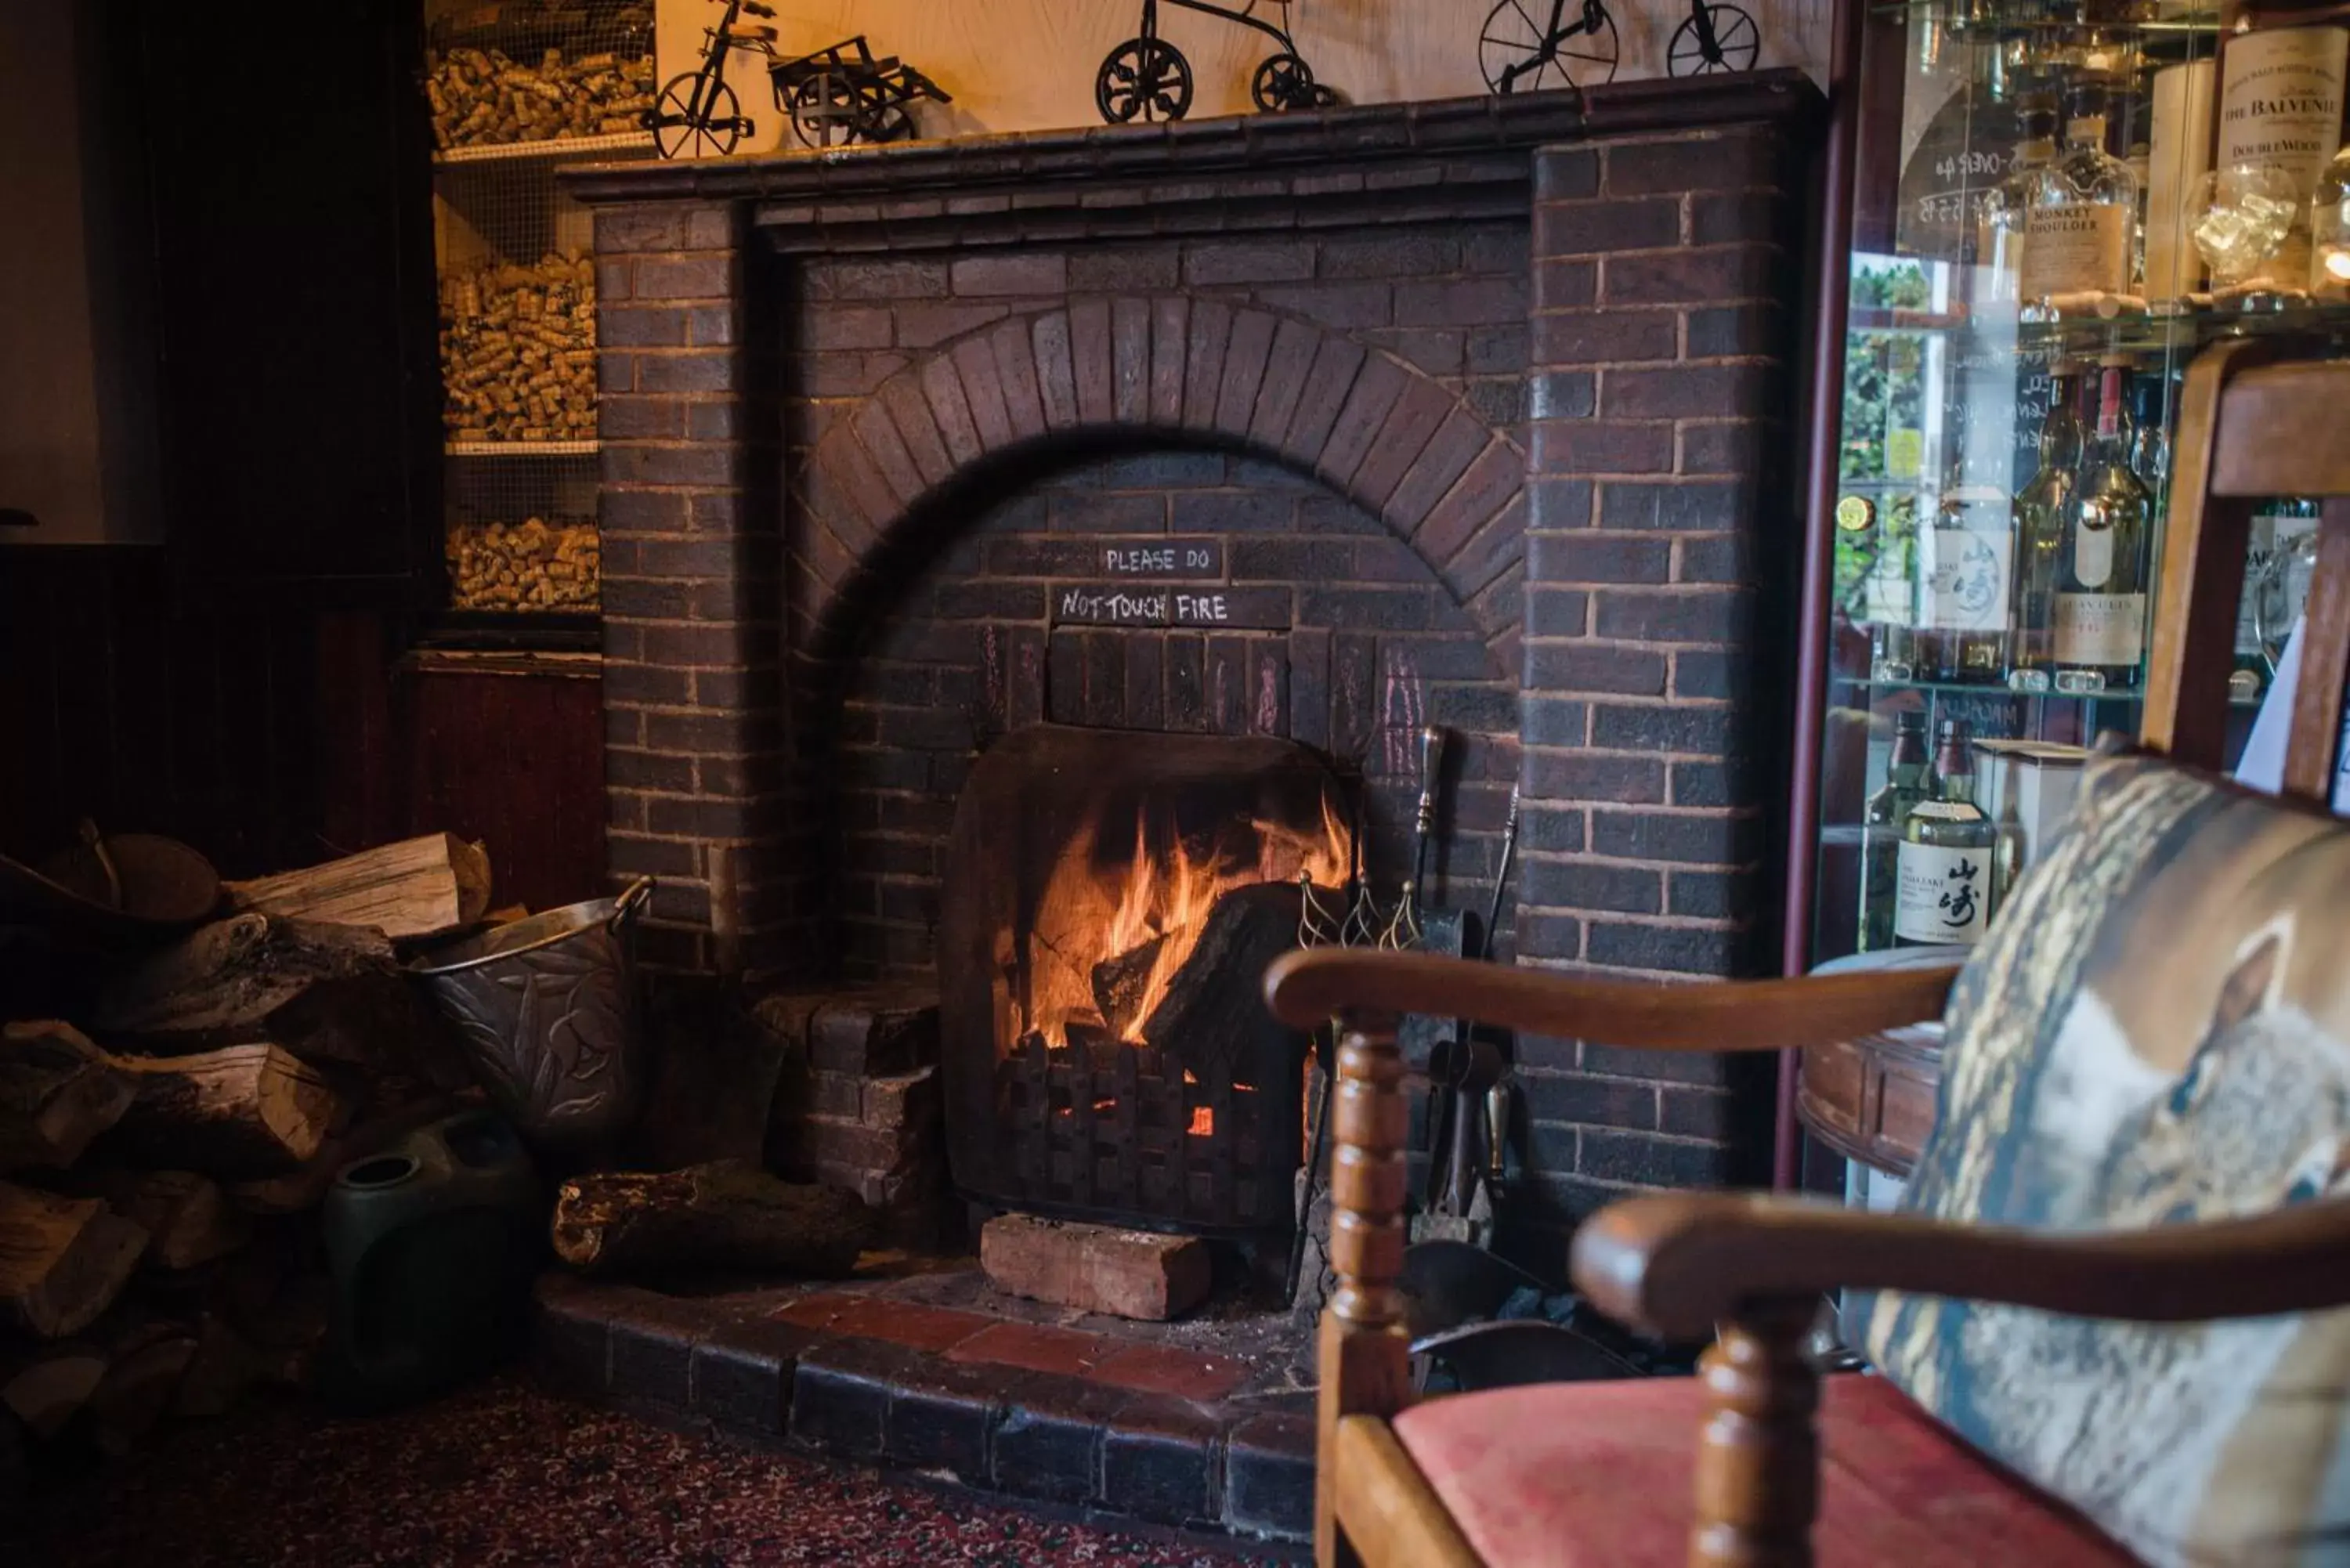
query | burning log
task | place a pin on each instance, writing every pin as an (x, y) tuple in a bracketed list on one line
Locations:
[(1214, 1005), (1120, 983), (727, 1214), (62, 1259), (418, 888), (57, 1091)]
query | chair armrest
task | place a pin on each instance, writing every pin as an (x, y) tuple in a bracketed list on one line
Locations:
[(1305, 988), (1676, 1264)]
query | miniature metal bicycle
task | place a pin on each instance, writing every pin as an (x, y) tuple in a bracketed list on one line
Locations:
[(1516, 51), (843, 95), (697, 114), (834, 96), (1147, 77)]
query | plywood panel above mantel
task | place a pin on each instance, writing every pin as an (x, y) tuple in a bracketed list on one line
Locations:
[(1029, 65)]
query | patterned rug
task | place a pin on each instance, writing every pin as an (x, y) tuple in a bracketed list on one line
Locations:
[(502, 1475)]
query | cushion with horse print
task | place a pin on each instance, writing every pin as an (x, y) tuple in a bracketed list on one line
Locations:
[(2157, 1031)]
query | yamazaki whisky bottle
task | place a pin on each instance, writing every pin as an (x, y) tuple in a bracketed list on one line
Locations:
[(1948, 849), (2282, 68)]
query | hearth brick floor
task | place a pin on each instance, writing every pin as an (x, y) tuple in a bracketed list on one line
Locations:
[(1204, 1423)]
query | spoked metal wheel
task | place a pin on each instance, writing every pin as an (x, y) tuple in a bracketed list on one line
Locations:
[(1283, 81), (827, 110), (1517, 56), (1143, 79), (680, 132), (1736, 42), (889, 122)]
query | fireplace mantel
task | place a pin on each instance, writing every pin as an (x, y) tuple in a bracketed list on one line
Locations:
[(1454, 159)]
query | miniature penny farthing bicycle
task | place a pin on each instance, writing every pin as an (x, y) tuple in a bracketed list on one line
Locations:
[(1147, 77), (1530, 45)]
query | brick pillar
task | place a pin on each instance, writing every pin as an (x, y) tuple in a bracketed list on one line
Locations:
[(1659, 394), (692, 595)]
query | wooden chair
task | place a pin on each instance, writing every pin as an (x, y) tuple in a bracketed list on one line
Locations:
[(1750, 1269)]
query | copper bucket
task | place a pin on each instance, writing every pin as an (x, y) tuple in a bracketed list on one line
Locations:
[(546, 1008)]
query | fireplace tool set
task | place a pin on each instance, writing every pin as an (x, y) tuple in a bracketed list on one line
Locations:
[(1468, 1075)]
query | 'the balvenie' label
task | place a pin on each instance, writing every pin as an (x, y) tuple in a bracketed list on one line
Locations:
[(2281, 108), (1944, 894), (2075, 247), (2106, 630)]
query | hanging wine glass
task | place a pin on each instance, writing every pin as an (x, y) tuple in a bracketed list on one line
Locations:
[(2242, 215)]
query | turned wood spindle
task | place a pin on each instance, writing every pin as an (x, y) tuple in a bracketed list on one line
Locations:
[(1363, 1350), (1758, 1453)]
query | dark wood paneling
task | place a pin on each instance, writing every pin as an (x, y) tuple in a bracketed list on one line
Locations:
[(516, 761), (120, 702), (289, 167)]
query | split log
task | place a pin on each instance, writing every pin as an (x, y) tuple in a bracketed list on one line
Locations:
[(1117, 984), (46, 1389), (240, 1111), (418, 888), (1213, 1011), (57, 1091), (728, 1214), (189, 1220), (327, 993), (139, 1386), (62, 1259)]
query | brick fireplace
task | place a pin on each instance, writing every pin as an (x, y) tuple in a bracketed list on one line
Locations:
[(1321, 427)]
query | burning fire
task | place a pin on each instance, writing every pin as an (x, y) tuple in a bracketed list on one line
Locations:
[(1203, 1122), (1149, 908)]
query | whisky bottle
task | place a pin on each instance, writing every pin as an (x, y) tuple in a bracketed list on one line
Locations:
[(2281, 96), (2039, 537), (1999, 245), (2080, 218), (1963, 570), (2277, 557), (1943, 871), (2102, 561), (2180, 154), (1880, 830), (2149, 454)]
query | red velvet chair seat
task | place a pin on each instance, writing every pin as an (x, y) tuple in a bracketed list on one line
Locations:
[(1599, 1475)]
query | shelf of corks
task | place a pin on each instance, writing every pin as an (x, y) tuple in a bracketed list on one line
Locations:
[(483, 99), (518, 352), (537, 564)]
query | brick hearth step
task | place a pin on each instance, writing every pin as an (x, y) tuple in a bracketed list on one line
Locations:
[(1148, 1430)]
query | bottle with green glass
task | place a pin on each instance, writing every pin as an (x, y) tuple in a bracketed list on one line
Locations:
[(1944, 869), (1880, 830), (2104, 558), (2040, 536)]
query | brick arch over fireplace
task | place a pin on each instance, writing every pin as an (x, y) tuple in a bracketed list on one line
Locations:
[(1175, 370)]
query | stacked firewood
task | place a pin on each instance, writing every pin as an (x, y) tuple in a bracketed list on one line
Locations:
[(162, 1156), (483, 97), (533, 565), (518, 350)]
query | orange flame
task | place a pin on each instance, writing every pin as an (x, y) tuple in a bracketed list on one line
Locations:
[(1203, 1122), (1089, 915)]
